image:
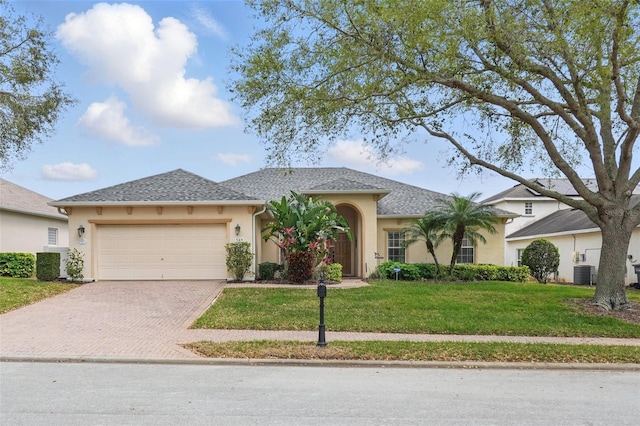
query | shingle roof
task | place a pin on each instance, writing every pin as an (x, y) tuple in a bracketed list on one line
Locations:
[(175, 186), (16, 198), (562, 221), (274, 183), (563, 186)]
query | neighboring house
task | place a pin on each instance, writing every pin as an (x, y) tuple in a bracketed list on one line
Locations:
[(531, 205), (175, 225), (578, 239), (28, 224)]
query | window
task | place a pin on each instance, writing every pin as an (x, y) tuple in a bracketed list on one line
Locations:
[(52, 238), (528, 208), (520, 256), (466, 252), (395, 251)]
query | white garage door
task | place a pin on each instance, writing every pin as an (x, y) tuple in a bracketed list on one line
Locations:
[(161, 252)]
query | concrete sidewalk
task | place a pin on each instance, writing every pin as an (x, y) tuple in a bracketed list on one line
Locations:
[(147, 320)]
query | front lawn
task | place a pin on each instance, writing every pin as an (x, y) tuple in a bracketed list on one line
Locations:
[(18, 292), (420, 351), (485, 308)]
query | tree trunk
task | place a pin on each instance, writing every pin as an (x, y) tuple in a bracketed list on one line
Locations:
[(610, 285)]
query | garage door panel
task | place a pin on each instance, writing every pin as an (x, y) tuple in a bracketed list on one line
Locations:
[(161, 252)]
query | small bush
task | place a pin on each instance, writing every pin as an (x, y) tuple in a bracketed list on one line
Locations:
[(300, 266), (47, 266), (17, 265), (239, 259), (542, 258), (267, 270), (427, 271), (408, 271), (75, 265), (333, 272)]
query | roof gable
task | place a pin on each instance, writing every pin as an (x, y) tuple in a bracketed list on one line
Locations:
[(274, 183), (175, 186)]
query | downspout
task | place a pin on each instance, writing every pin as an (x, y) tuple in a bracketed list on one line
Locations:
[(253, 240)]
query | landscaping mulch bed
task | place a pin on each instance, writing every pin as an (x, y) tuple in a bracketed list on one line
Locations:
[(631, 315)]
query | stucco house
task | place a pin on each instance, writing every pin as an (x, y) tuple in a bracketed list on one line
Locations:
[(578, 239), (175, 225), (29, 225)]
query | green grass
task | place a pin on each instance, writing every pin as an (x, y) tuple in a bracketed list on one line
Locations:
[(18, 292), (499, 308), (420, 351)]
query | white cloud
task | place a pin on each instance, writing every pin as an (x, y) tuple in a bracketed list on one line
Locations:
[(358, 155), (106, 120), (121, 46), (69, 171), (233, 159), (208, 22)]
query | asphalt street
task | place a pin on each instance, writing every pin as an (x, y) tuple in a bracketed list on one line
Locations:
[(171, 394)]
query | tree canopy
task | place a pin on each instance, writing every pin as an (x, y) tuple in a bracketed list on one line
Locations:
[(507, 83), (31, 100)]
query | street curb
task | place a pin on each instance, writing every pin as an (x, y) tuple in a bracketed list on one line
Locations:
[(332, 363)]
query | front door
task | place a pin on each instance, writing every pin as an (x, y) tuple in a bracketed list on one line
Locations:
[(342, 253)]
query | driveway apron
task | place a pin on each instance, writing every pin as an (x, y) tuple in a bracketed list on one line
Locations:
[(141, 319)]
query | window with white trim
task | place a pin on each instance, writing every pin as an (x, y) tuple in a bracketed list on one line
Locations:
[(528, 208), (467, 252), (395, 249), (519, 254), (52, 237)]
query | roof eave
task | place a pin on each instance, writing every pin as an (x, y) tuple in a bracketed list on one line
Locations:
[(155, 203), (36, 213)]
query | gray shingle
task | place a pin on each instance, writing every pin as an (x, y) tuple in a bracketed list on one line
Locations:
[(274, 183), (16, 198), (566, 220), (175, 186)]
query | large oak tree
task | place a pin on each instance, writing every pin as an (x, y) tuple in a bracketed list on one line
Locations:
[(506, 82), (31, 100)]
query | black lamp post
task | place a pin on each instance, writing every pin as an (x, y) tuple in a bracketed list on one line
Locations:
[(322, 293)]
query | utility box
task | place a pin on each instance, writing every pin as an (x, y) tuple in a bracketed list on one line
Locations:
[(584, 274), (636, 268)]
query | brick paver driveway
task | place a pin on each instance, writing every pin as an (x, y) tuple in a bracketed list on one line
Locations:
[(111, 319)]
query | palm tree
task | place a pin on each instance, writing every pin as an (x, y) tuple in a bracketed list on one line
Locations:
[(463, 218), (426, 229)]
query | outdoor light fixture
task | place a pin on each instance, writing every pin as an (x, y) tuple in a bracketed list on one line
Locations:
[(80, 231), (238, 229)]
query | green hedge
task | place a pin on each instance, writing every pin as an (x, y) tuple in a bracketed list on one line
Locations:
[(463, 272), (267, 270), (333, 272), (17, 265), (47, 266)]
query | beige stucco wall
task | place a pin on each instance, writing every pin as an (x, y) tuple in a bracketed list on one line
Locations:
[(27, 233), (587, 248), (90, 217), (492, 252)]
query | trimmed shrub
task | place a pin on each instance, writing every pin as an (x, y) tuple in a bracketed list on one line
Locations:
[(47, 266), (542, 258), (17, 265), (75, 265), (408, 271), (333, 272), (267, 270), (513, 273), (427, 271), (463, 272), (239, 259), (300, 266)]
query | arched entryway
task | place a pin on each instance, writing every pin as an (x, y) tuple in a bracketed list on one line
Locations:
[(345, 251)]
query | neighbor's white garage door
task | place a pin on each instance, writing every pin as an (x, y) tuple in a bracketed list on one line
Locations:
[(161, 252)]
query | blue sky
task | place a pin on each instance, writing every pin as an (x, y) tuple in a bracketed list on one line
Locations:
[(150, 80)]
